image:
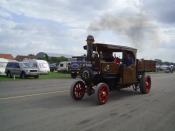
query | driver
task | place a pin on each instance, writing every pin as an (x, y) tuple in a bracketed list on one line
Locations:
[(129, 60)]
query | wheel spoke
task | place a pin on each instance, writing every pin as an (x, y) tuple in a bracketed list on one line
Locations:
[(103, 94)]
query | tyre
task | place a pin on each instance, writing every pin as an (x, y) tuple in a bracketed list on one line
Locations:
[(78, 90), (87, 74), (23, 75), (102, 93), (145, 84)]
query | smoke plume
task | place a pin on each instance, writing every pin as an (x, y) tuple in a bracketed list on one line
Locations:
[(139, 30)]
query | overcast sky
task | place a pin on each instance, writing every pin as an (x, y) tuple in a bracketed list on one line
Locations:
[(61, 26)]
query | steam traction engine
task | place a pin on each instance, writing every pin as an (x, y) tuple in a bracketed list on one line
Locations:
[(101, 74)]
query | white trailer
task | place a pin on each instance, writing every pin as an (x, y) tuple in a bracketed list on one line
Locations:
[(63, 66), (42, 65), (3, 64)]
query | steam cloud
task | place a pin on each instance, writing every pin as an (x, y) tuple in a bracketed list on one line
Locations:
[(140, 30)]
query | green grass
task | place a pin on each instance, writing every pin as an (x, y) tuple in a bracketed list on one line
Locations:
[(55, 75), (5, 78), (51, 75)]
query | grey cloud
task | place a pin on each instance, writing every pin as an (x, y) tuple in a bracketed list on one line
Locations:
[(80, 5), (162, 10), (31, 37), (121, 16), (64, 11)]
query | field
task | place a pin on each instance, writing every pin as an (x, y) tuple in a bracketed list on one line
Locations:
[(51, 75)]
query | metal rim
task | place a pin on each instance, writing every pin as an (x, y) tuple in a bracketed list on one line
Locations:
[(147, 84), (103, 94), (78, 90)]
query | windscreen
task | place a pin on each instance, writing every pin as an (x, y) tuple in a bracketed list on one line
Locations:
[(28, 65), (43, 65)]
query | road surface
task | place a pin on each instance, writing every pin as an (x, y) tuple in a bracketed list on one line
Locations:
[(45, 105)]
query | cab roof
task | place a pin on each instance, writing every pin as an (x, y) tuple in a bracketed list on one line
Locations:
[(111, 48)]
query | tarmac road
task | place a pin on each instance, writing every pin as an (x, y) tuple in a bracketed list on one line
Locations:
[(45, 105)]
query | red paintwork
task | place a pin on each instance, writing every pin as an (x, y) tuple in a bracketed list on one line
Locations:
[(78, 90), (103, 94), (148, 84)]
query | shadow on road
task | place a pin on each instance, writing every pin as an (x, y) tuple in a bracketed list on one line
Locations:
[(125, 93), (65, 100)]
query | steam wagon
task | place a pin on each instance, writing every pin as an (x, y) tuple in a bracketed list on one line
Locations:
[(112, 67)]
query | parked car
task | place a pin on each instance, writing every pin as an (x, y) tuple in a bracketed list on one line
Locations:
[(42, 65), (63, 66), (21, 69), (53, 67), (167, 68), (171, 68), (76, 64)]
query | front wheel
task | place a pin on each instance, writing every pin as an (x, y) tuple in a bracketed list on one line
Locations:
[(78, 90), (102, 93), (145, 84)]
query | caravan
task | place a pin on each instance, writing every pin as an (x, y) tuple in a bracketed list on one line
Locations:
[(3, 64), (42, 65), (63, 66)]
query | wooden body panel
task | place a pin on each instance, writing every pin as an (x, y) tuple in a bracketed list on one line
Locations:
[(129, 75), (146, 66), (109, 68)]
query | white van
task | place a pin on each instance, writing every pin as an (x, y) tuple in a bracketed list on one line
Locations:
[(3, 64), (42, 65), (63, 66)]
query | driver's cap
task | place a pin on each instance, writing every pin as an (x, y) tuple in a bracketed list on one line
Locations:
[(90, 38)]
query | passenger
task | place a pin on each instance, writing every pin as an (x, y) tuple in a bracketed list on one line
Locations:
[(117, 60)]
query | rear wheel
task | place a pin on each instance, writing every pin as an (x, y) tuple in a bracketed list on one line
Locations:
[(78, 90), (102, 93), (145, 84)]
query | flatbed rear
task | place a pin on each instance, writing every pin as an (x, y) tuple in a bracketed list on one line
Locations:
[(146, 66)]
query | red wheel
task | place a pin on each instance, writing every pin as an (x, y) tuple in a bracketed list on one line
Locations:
[(78, 90), (102, 93), (145, 84)]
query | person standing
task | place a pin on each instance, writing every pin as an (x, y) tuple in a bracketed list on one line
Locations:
[(90, 41)]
